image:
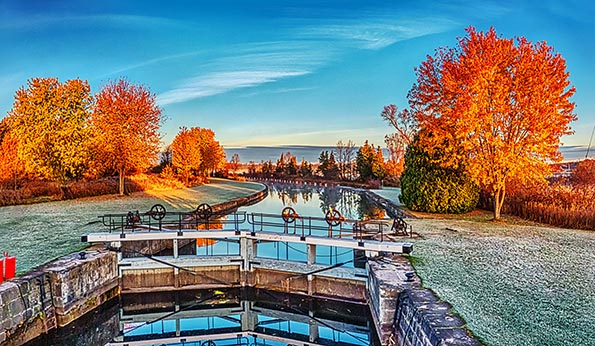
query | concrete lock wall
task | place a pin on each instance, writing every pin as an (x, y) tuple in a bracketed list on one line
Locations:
[(386, 280), (55, 294)]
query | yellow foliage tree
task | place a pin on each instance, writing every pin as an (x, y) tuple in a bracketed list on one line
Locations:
[(213, 155), (50, 123), (186, 153), (195, 150), (11, 167)]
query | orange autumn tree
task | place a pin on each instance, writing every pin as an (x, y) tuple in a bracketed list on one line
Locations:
[(213, 155), (126, 121), (195, 151), (11, 167), (502, 104), (186, 152)]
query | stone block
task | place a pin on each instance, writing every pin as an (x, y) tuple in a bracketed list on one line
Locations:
[(9, 292), (443, 320), (456, 337)]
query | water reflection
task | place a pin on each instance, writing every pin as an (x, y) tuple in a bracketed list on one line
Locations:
[(240, 317), (217, 318), (317, 200)]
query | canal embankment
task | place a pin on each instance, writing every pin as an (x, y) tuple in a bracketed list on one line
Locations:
[(61, 291), (55, 294)]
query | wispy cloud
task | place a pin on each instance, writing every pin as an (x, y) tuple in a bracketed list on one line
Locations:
[(310, 45), (251, 66), (221, 82), (318, 137), (278, 91), (376, 32), (149, 62)]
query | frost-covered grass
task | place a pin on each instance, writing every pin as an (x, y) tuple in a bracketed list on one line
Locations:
[(513, 284), (38, 233)]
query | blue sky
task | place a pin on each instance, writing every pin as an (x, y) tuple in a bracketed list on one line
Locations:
[(276, 72)]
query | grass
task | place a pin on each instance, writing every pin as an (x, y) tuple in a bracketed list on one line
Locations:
[(514, 282), (39, 233)]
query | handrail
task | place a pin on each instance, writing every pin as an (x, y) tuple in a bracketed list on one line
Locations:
[(335, 227)]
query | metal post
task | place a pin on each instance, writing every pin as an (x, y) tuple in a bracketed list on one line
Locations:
[(248, 318), (247, 251), (313, 335), (311, 253)]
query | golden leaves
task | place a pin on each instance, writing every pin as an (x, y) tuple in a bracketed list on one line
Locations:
[(195, 151), (49, 121)]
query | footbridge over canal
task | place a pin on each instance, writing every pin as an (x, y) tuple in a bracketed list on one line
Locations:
[(160, 250)]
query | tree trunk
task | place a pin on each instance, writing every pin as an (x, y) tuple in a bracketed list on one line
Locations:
[(121, 182), (498, 202)]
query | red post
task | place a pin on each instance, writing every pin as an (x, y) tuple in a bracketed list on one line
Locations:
[(10, 266)]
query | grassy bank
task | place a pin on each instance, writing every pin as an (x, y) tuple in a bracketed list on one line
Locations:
[(513, 284), (38, 233)]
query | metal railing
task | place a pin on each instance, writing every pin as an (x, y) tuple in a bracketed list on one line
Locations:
[(332, 225)]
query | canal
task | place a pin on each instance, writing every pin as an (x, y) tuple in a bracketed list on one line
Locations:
[(240, 317)]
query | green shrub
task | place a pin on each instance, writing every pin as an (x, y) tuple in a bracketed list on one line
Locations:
[(428, 187)]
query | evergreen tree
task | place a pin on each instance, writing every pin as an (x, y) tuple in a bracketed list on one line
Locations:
[(328, 166), (305, 169), (429, 187), (378, 168), (364, 158)]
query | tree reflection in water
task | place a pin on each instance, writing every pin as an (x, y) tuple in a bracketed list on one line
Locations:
[(348, 201)]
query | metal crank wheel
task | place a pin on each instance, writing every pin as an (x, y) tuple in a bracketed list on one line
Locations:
[(157, 212), (333, 217), (204, 211), (288, 214)]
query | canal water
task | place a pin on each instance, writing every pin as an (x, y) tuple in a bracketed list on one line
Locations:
[(310, 203), (216, 317)]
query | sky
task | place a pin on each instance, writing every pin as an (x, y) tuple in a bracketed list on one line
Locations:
[(271, 73)]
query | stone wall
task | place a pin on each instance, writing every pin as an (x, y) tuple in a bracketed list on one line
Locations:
[(234, 204), (391, 208), (422, 319), (406, 314), (26, 308), (55, 294)]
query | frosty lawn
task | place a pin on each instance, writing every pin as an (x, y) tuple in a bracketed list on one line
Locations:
[(38, 233), (514, 285)]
